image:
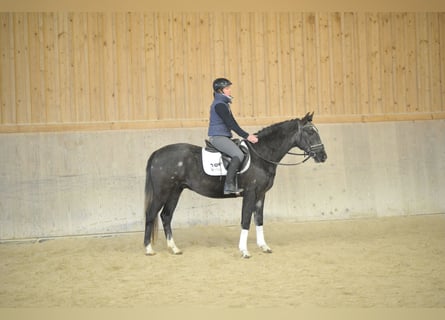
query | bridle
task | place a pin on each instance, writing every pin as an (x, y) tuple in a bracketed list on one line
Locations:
[(311, 152)]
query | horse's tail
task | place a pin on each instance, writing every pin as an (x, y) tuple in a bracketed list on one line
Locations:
[(149, 190)]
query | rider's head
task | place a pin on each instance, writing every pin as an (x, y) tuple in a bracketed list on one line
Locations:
[(219, 84)]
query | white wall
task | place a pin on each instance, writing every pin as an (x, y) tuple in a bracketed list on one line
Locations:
[(54, 184)]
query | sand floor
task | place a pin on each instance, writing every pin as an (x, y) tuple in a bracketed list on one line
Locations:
[(382, 262)]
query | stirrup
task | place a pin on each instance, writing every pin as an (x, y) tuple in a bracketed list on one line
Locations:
[(232, 189)]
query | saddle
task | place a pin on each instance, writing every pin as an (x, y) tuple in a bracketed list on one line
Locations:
[(215, 163)]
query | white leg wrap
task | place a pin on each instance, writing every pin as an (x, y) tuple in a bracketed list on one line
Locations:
[(172, 245), (243, 240), (260, 240), (260, 236), (149, 250)]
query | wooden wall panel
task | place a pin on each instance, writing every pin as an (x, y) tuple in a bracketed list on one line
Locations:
[(410, 54), (113, 70), (311, 60), (441, 63), (298, 66), (435, 59), (350, 70), (259, 75)]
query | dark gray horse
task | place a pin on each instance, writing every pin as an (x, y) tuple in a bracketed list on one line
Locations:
[(175, 167)]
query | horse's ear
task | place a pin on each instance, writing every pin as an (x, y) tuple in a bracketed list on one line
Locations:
[(308, 117)]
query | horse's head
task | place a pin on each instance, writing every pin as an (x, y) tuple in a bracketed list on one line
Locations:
[(309, 139)]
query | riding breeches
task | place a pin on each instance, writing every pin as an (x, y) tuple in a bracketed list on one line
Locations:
[(227, 146)]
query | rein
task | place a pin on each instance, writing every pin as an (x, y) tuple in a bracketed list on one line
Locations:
[(305, 154)]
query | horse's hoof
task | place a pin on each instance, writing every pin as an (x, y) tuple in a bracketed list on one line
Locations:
[(149, 250), (245, 254), (175, 250), (266, 249)]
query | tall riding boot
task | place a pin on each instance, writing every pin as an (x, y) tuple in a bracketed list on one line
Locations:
[(230, 185)]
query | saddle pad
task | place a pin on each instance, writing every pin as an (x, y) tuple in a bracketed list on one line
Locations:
[(212, 163)]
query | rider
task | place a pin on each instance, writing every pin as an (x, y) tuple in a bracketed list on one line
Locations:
[(222, 122)]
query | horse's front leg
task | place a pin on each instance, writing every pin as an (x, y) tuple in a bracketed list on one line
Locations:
[(246, 218), (260, 240)]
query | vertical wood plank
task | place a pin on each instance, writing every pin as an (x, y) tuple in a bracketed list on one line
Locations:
[(65, 69), (152, 74), (387, 70), (411, 90), (231, 23), (362, 64), (435, 61), (244, 88), (131, 66), (259, 73), (205, 78), (108, 76), (52, 65), (273, 83), (442, 62), (192, 62), (350, 74), (121, 91), (423, 62), (22, 67), (337, 66), (96, 66), (299, 69), (311, 58), (167, 108), (71, 110), (123, 75), (7, 67), (137, 65), (219, 47), (181, 95), (325, 81), (285, 65), (374, 62), (37, 67), (80, 62), (400, 61)]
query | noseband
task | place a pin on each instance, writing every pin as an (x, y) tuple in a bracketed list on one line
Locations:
[(310, 153), (313, 149)]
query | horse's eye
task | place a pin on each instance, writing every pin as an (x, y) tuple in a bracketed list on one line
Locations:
[(311, 131)]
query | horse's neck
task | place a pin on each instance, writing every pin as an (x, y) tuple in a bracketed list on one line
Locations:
[(276, 141), (274, 151)]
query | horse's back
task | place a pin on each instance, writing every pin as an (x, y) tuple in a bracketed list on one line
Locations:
[(174, 154), (177, 148)]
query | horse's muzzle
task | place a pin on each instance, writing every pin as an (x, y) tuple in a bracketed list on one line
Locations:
[(318, 153)]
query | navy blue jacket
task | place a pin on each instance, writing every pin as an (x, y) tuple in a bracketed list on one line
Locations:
[(222, 121)]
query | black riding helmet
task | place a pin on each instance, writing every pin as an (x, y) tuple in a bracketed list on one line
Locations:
[(220, 83)]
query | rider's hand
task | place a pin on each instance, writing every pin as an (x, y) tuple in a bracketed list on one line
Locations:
[(252, 138)]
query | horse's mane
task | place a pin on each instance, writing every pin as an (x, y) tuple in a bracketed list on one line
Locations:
[(277, 128)]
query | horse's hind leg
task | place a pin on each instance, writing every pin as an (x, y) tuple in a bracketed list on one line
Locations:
[(151, 225), (167, 216)]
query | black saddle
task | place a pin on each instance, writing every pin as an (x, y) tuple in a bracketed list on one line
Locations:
[(225, 157)]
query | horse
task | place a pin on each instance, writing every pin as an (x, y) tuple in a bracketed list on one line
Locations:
[(176, 167)]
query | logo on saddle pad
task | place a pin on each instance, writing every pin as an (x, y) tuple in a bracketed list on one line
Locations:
[(215, 163)]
